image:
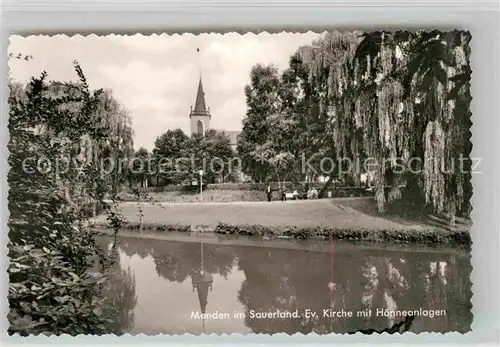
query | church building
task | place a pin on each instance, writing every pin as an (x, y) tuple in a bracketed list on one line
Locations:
[(200, 118)]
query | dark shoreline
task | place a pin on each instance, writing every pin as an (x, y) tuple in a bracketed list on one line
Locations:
[(404, 236)]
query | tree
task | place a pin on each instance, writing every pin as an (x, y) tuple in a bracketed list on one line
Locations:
[(262, 102), (311, 140), (422, 76), (118, 146), (278, 131), (218, 146), (141, 167), (392, 97), (168, 149), (210, 152)]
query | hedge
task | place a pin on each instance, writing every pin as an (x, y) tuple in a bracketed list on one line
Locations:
[(429, 236), (336, 191), (160, 189)]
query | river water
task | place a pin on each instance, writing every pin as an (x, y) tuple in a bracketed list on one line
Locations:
[(176, 287)]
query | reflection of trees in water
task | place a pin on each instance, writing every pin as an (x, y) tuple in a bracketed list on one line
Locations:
[(281, 280), (289, 280), (412, 281), (250, 296), (389, 284), (136, 246), (460, 270), (175, 261), (441, 291), (121, 293)]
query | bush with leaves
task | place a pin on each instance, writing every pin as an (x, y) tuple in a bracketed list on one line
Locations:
[(52, 250)]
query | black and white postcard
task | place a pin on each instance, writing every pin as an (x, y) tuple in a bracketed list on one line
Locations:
[(259, 183)]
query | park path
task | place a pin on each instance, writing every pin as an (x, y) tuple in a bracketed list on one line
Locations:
[(325, 213)]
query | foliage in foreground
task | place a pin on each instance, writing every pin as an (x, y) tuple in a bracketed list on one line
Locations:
[(53, 288)]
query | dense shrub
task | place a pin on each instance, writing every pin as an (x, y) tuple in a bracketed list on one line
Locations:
[(336, 192), (429, 236), (182, 228), (345, 192), (239, 186), (52, 289), (208, 196)]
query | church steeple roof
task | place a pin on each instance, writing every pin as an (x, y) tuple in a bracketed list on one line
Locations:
[(202, 282), (200, 106), (202, 289)]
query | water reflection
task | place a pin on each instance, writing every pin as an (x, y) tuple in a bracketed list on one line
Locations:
[(178, 280), (119, 290)]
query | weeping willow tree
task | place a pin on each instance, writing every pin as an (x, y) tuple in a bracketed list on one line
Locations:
[(402, 100), (383, 110), (119, 146), (109, 118), (329, 62), (437, 80)]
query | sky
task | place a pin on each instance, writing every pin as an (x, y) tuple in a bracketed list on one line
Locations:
[(156, 77)]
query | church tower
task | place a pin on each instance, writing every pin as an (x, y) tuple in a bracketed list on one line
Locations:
[(200, 116)]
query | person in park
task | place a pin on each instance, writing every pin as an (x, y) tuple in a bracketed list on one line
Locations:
[(269, 192), (282, 193)]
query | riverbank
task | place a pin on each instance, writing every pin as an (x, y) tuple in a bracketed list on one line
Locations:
[(308, 219), (150, 238), (420, 236)]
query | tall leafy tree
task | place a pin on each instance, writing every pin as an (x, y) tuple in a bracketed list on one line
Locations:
[(140, 170), (167, 151), (210, 152), (262, 103)]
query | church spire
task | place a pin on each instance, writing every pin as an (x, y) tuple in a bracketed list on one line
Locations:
[(202, 282), (200, 106), (200, 113)]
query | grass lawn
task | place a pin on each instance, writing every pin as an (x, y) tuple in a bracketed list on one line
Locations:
[(400, 212), (324, 213)]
